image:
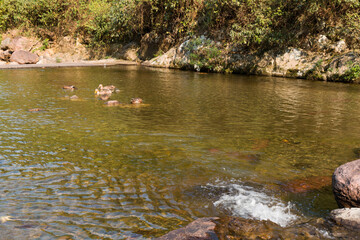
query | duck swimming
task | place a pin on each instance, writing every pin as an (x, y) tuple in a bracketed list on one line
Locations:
[(112, 88), (69, 87), (136, 100), (103, 92), (113, 103)]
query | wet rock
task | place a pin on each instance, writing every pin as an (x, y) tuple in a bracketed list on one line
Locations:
[(200, 229), (241, 228), (346, 184), (250, 229), (347, 217), (303, 185), (207, 192), (24, 57)]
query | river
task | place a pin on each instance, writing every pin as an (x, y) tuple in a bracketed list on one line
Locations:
[(200, 145)]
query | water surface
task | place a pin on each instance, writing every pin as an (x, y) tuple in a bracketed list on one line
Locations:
[(204, 145)]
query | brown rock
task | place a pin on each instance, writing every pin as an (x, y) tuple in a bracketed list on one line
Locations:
[(241, 228), (24, 57), (18, 43), (200, 229), (347, 217), (346, 184), (302, 185)]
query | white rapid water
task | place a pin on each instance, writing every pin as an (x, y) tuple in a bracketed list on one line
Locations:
[(247, 202)]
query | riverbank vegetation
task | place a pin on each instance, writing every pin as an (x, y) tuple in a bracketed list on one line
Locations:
[(250, 24)]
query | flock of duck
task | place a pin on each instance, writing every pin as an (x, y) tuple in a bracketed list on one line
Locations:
[(102, 92)]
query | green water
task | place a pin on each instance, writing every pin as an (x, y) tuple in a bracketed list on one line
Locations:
[(85, 170)]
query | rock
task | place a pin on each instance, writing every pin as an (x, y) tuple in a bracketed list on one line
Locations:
[(200, 229), (339, 46), (5, 44), (18, 43), (165, 60), (246, 229), (5, 55), (347, 217), (24, 57), (346, 184), (127, 52), (241, 228), (303, 185), (322, 41)]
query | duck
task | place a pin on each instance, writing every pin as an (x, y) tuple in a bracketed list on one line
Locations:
[(136, 100), (112, 88), (36, 110), (113, 103), (69, 87), (103, 92)]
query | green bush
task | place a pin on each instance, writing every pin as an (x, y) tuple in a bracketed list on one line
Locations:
[(353, 74), (248, 24)]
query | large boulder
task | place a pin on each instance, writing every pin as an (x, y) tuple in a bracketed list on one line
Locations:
[(18, 43), (346, 184), (24, 57)]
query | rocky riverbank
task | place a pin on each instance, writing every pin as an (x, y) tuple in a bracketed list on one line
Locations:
[(333, 61)]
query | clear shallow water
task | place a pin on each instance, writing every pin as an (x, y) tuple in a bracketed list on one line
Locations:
[(89, 171)]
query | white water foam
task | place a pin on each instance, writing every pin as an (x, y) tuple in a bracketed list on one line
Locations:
[(247, 202)]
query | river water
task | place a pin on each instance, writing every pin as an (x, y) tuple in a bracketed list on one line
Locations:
[(200, 145)]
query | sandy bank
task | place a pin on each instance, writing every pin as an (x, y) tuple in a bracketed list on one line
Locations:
[(93, 63)]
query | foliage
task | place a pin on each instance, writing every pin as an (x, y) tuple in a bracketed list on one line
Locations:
[(205, 55), (353, 74), (249, 24)]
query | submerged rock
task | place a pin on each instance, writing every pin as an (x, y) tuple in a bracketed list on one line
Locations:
[(249, 229), (346, 184), (302, 185), (200, 229)]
